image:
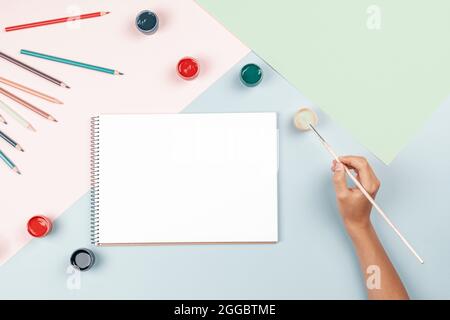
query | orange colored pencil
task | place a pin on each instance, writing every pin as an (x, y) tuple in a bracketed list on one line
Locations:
[(27, 105), (29, 90)]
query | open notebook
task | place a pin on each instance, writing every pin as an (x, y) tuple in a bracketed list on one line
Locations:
[(184, 178)]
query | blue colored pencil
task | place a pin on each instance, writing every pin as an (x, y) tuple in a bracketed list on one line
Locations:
[(5, 137), (9, 163), (70, 62)]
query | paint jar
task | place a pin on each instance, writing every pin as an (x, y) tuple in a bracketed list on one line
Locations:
[(188, 68), (251, 75), (147, 22), (304, 117), (82, 259), (39, 226)]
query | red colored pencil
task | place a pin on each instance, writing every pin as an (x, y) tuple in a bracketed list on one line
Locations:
[(53, 21)]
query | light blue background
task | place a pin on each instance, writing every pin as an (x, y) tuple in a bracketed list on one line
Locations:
[(314, 258)]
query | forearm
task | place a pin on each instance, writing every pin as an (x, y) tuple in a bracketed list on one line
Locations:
[(383, 281)]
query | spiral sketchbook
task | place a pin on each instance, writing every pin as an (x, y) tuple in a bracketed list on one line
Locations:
[(184, 178)]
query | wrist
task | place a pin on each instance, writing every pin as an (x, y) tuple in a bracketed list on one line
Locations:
[(357, 228)]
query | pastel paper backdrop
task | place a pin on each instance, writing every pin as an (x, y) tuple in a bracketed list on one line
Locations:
[(56, 160), (314, 258), (378, 68)]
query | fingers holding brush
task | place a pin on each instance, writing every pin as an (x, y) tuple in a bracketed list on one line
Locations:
[(352, 204), (364, 171)]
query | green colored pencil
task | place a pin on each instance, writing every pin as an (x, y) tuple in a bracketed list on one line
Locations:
[(70, 62), (9, 163)]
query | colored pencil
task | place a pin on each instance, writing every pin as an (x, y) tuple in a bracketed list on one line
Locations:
[(54, 21), (29, 90), (8, 139), (3, 119), (16, 116), (27, 105), (69, 62), (33, 70), (9, 163)]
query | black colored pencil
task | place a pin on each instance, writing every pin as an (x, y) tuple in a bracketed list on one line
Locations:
[(33, 70), (5, 137)]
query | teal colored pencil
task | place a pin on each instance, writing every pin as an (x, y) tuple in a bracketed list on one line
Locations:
[(70, 62), (9, 163)]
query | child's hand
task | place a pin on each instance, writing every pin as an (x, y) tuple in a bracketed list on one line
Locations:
[(355, 211), (353, 205)]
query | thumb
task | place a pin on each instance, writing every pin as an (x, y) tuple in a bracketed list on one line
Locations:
[(339, 180)]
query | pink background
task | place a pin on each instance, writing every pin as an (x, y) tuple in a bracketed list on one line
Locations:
[(55, 164)]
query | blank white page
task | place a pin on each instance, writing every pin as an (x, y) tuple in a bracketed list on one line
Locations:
[(188, 178)]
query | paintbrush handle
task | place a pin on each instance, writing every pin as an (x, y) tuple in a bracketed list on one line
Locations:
[(381, 212), (372, 201)]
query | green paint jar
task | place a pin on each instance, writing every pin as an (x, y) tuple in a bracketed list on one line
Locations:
[(251, 75)]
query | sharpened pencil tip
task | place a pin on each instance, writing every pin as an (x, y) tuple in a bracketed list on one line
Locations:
[(17, 170), (121, 73), (31, 128), (57, 101)]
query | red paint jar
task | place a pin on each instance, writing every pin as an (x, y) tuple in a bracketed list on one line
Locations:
[(188, 68), (39, 226)]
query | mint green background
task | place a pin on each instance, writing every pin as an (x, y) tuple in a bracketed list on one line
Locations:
[(380, 85)]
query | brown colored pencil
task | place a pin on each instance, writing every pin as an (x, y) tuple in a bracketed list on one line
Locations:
[(29, 90), (33, 70), (27, 105)]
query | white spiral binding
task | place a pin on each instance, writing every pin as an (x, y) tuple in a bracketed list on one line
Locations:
[(94, 179)]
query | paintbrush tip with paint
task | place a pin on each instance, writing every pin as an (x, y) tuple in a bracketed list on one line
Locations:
[(304, 118)]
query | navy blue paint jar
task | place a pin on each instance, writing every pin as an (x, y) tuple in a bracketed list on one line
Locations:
[(82, 259), (147, 22)]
